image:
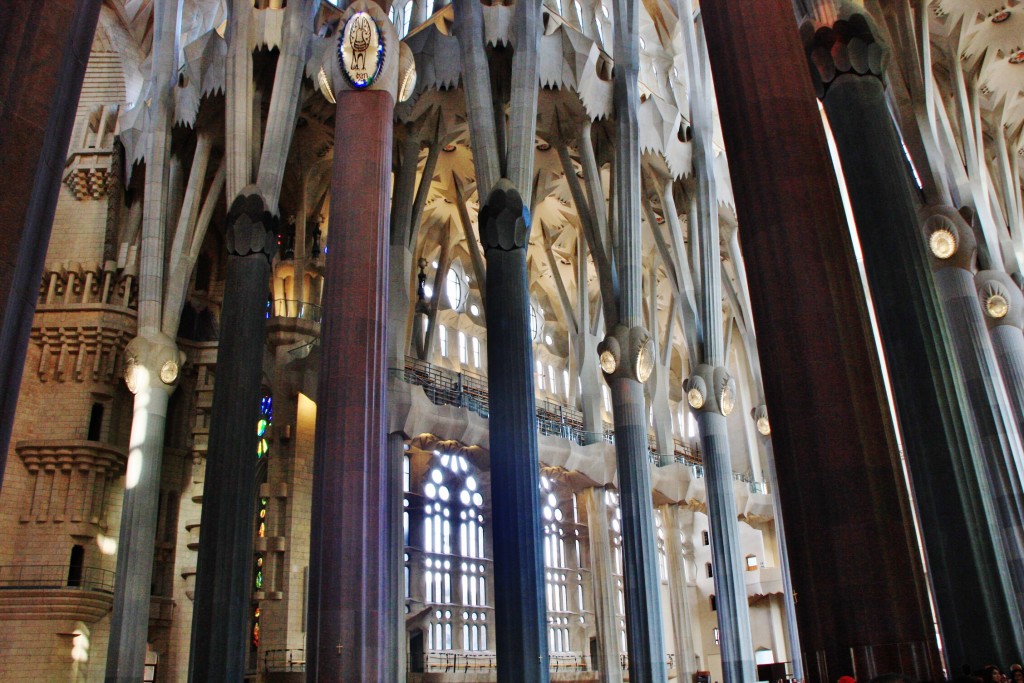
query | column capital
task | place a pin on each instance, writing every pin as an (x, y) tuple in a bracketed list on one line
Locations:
[(504, 219), (949, 238), (252, 228), (152, 361), (1002, 302), (710, 390), (850, 46)]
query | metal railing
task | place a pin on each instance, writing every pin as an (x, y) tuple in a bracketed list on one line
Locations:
[(276, 661), (56, 576), (291, 308), (469, 390), (435, 661)]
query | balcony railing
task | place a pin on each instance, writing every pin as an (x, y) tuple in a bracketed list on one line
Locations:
[(469, 390), (435, 661), (276, 661), (290, 308), (56, 576)]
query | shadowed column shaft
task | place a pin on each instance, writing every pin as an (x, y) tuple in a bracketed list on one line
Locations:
[(42, 65), (134, 571), (737, 647), (831, 428), (607, 621), (1008, 342), (223, 597), (1000, 484), (351, 634), (970, 597), (520, 612), (639, 552)]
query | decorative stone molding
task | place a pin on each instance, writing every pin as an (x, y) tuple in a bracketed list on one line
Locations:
[(87, 351), (87, 175), (252, 229), (54, 604), (72, 285), (504, 220), (848, 47), (70, 480)]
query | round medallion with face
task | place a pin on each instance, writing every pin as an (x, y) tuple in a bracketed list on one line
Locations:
[(361, 50)]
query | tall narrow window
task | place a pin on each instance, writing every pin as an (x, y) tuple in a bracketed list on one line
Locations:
[(551, 378), (541, 377), (75, 566), (607, 398), (565, 383), (463, 351), (95, 422), (442, 340), (476, 352)]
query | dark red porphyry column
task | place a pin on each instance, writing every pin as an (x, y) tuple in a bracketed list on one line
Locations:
[(352, 627), (44, 48), (857, 574)]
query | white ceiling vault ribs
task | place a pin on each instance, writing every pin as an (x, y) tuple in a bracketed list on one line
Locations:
[(960, 96)]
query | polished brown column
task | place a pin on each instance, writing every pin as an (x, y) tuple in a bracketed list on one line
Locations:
[(44, 48), (350, 637), (861, 595)]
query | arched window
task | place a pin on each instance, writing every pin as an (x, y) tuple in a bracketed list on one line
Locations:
[(455, 288), (454, 553)]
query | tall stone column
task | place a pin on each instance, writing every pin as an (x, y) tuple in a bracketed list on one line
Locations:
[(151, 372), (831, 429), (353, 616), (672, 517), (711, 392), (223, 590), (520, 631), (763, 426), (973, 607), (953, 246), (42, 65), (1003, 306), (595, 503), (627, 360)]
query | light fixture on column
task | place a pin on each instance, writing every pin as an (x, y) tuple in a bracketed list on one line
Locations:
[(696, 391), (760, 415), (641, 352), (726, 394), (609, 354), (943, 236)]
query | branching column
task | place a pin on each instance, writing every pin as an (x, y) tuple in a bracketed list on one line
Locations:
[(630, 345), (675, 518), (831, 426), (151, 371), (1003, 305), (353, 609), (972, 606), (952, 245)]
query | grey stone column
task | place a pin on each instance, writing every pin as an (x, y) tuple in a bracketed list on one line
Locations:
[(679, 592), (789, 601), (151, 372), (952, 245), (223, 594), (1003, 306), (711, 392), (520, 631), (929, 398), (596, 506)]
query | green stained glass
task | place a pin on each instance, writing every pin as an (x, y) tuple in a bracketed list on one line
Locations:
[(261, 448), (261, 427)]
